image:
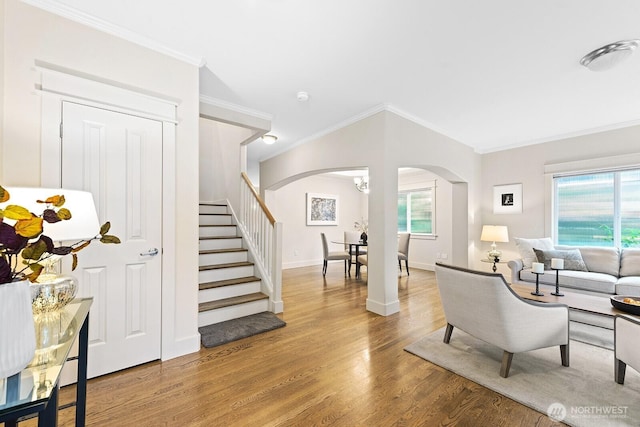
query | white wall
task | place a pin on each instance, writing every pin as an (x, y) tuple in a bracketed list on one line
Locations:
[(220, 161), (526, 165), (2, 18), (34, 35), (301, 243)]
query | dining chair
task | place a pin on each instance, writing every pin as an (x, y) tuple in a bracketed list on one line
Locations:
[(353, 236), (403, 250), (333, 256)]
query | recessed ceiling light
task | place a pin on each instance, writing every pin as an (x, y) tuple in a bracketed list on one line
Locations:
[(269, 139), (608, 56)]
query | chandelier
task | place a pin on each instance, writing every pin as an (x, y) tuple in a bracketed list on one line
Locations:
[(362, 184)]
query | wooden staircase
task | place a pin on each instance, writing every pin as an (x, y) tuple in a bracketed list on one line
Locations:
[(229, 288)]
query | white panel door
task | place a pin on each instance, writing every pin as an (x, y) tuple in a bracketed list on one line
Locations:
[(118, 158)]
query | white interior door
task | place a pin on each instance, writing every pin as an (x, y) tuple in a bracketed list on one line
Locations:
[(118, 158)]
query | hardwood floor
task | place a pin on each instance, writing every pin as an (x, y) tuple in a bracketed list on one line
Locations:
[(333, 364)]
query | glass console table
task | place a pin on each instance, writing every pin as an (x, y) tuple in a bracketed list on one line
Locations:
[(34, 391)]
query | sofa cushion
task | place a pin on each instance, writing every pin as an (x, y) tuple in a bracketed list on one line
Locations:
[(629, 285), (630, 262), (525, 247), (599, 259), (572, 258)]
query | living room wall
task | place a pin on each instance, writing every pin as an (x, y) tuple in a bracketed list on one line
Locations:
[(30, 35), (526, 165)]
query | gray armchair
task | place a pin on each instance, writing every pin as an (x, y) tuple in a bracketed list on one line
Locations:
[(483, 305)]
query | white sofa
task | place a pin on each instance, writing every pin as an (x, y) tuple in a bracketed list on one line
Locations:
[(609, 271)]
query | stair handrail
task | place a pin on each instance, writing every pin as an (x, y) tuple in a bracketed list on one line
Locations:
[(263, 235)]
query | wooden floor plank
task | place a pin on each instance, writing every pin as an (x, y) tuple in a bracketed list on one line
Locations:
[(333, 364)]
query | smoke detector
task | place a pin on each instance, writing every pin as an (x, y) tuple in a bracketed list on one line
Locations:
[(302, 96)]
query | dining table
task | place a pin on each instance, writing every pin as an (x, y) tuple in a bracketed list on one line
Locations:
[(354, 249)]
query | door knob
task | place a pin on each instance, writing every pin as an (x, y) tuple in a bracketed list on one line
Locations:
[(150, 252)]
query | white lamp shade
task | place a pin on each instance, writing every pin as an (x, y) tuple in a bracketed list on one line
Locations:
[(495, 233), (84, 219)]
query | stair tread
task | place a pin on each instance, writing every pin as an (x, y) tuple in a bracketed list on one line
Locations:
[(218, 225), (217, 214), (227, 265), (220, 237), (226, 302), (228, 282), (222, 251), (211, 204)]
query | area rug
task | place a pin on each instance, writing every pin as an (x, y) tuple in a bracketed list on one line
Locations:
[(583, 394), (232, 330)]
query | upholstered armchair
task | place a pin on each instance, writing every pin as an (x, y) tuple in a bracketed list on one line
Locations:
[(483, 305), (627, 346)]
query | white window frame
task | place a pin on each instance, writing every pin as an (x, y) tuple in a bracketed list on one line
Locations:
[(432, 187)]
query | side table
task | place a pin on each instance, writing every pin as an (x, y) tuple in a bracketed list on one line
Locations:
[(494, 262), (34, 390)]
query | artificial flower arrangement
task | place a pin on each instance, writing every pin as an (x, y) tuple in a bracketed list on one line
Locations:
[(23, 245), (362, 226)]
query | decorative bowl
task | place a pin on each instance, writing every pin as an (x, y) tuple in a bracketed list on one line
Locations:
[(52, 294), (618, 302)]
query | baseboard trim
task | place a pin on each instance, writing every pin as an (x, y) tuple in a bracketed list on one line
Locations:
[(383, 309)]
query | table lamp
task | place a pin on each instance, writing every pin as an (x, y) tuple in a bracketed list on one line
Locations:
[(53, 291), (494, 233)]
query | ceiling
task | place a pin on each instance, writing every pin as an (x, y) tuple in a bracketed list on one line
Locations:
[(491, 74)]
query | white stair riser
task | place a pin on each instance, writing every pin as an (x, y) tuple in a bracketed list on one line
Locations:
[(222, 258), (224, 274), (217, 209), (217, 231), (229, 243), (223, 292), (215, 220), (227, 313)]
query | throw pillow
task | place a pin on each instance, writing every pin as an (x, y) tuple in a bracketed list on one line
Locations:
[(525, 248), (572, 259)]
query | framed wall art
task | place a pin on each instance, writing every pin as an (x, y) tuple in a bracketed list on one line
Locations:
[(322, 209), (507, 199)]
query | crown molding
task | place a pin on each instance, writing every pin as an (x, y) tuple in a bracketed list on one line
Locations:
[(205, 99), (568, 135), (112, 29)]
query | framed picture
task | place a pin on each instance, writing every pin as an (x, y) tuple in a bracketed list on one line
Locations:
[(322, 209), (507, 199)]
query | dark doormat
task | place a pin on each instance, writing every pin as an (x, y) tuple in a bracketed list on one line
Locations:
[(232, 330)]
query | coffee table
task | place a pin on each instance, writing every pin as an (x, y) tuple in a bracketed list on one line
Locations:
[(580, 302), (592, 316)]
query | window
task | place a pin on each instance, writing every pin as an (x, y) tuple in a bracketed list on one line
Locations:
[(598, 209), (415, 211)]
